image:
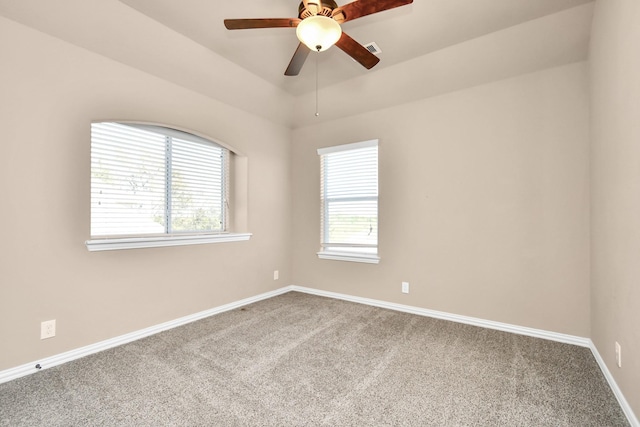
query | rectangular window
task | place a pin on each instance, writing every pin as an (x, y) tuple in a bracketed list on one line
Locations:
[(152, 180), (349, 202)]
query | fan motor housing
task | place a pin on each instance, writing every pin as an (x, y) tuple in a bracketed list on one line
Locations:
[(327, 8)]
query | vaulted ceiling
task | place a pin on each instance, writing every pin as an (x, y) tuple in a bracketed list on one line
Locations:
[(428, 47)]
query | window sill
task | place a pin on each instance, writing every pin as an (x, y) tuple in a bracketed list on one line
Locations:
[(350, 257), (162, 241)]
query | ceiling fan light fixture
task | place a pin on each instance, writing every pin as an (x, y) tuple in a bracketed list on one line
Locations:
[(318, 32)]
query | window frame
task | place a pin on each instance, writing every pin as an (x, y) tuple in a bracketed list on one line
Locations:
[(169, 237), (352, 254)]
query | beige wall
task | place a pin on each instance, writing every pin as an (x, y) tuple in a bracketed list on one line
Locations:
[(615, 225), (484, 196), (50, 91), (484, 202)]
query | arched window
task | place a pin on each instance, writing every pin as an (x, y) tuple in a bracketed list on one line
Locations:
[(149, 180)]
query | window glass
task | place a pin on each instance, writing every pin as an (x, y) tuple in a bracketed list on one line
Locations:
[(349, 198), (151, 180)]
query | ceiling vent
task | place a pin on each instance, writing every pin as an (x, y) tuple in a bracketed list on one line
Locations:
[(373, 48)]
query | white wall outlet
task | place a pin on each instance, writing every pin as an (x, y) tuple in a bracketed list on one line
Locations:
[(276, 274), (48, 329), (405, 287), (618, 355)]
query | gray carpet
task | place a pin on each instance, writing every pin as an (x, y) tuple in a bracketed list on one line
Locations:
[(301, 360)]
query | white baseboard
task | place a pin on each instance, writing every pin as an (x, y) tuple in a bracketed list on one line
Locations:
[(49, 362), (633, 420), (489, 324)]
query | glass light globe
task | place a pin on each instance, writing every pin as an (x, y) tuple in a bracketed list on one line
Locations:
[(318, 32)]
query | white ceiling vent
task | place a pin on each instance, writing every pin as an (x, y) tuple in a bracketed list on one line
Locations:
[(373, 48)]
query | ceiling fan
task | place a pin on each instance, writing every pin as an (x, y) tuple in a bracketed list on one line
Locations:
[(318, 28)]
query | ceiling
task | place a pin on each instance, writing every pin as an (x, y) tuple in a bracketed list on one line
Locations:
[(402, 33), (428, 47)]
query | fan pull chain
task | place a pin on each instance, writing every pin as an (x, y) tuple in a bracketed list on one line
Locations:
[(317, 55)]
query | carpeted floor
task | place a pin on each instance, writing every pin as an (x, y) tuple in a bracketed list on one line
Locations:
[(301, 360)]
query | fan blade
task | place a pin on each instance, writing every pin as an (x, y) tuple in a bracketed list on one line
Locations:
[(360, 8), (298, 60), (244, 24), (357, 51)]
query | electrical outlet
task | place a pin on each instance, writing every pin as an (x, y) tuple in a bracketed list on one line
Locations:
[(405, 287), (47, 329), (276, 274), (618, 355)]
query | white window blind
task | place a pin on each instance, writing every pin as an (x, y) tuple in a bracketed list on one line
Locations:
[(349, 199), (151, 180)]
